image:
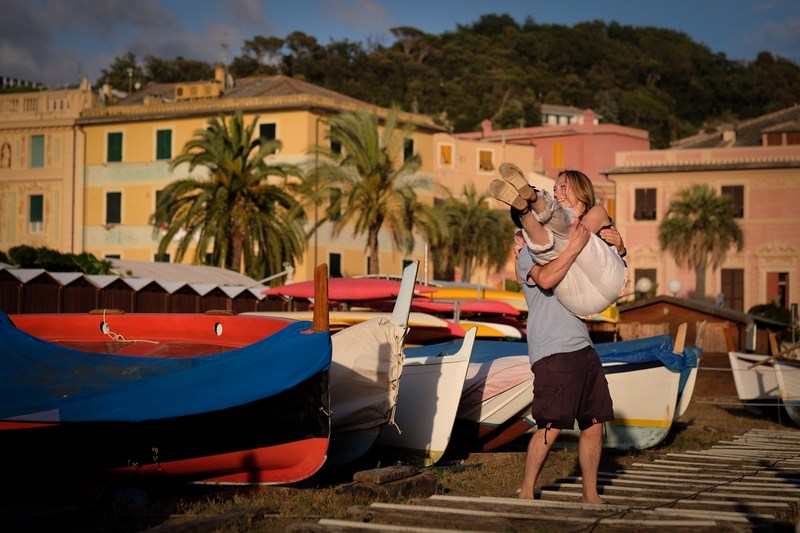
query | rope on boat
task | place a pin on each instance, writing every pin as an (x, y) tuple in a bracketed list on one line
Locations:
[(106, 328)]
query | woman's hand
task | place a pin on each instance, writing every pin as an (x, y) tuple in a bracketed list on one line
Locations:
[(610, 235)]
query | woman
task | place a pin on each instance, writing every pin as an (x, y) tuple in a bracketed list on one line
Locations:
[(598, 275)]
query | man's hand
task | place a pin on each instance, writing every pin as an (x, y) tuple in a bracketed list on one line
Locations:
[(578, 236), (551, 274)]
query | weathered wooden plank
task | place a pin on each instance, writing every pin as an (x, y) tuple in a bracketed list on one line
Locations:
[(332, 524), (762, 506), (645, 520), (611, 489), (498, 503)]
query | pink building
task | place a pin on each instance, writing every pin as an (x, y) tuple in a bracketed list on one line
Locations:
[(756, 162), (572, 141)]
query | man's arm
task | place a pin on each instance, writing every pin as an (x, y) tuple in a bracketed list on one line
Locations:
[(549, 275)]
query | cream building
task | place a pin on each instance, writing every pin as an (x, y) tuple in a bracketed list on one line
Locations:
[(41, 168)]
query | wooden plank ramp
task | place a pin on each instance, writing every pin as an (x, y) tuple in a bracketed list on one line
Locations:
[(751, 483)]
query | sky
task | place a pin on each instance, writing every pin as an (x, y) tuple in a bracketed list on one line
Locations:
[(56, 42)]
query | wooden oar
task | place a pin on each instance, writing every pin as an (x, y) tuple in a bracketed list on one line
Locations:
[(773, 344), (320, 321)]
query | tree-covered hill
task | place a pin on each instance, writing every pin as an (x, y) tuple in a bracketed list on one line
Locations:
[(496, 68)]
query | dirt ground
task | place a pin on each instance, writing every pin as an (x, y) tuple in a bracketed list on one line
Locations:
[(714, 414)]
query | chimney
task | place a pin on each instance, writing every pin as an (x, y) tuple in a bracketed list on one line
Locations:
[(486, 127), (728, 133), (589, 118), (219, 75)]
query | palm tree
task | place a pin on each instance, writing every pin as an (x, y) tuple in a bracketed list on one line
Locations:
[(477, 236), (374, 188), (698, 230), (237, 209)]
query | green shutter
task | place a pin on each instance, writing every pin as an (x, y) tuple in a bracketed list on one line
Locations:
[(114, 147), (163, 144), (37, 208), (113, 207), (37, 151)]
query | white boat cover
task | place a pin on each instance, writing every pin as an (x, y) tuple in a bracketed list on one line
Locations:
[(365, 374)]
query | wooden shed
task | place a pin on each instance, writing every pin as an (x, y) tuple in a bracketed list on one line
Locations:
[(726, 329)]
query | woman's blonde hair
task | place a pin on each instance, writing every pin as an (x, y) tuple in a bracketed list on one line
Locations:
[(581, 186)]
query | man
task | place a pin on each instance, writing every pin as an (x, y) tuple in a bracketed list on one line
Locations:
[(569, 381)]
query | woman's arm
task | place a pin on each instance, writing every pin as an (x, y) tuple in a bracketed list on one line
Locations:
[(596, 218)]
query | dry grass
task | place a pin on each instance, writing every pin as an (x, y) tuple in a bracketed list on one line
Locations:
[(67, 505)]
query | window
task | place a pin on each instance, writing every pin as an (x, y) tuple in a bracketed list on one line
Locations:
[(114, 147), (445, 155), (112, 256), (778, 288), (36, 213), (268, 132), (335, 262), (645, 204), (736, 192), (408, 149), (485, 160), (336, 147), (732, 285), (113, 207), (163, 144), (37, 151), (793, 137), (161, 258)]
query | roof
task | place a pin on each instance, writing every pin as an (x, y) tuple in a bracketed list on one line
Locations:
[(170, 272), (747, 132), (243, 88), (708, 308)]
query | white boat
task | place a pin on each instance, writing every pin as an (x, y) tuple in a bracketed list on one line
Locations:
[(430, 389), (756, 381), (366, 366), (648, 396), (498, 389), (787, 372)]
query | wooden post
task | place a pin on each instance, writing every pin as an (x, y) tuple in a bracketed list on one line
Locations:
[(321, 317)]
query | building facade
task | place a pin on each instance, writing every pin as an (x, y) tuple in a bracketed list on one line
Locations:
[(757, 163), (88, 179), (571, 141), (41, 168)]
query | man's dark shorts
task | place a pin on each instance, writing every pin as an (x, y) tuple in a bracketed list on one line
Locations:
[(571, 386)]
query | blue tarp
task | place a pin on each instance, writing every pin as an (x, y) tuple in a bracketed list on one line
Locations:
[(658, 348), (73, 385)]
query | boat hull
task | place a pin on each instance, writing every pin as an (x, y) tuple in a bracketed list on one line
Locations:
[(788, 376), (229, 411), (757, 387)]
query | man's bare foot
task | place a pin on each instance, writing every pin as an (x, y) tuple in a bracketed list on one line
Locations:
[(514, 175), (506, 194)]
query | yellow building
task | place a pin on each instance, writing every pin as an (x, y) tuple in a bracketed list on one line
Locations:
[(129, 146), (41, 168)]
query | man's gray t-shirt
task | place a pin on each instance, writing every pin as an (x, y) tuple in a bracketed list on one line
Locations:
[(551, 327)]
